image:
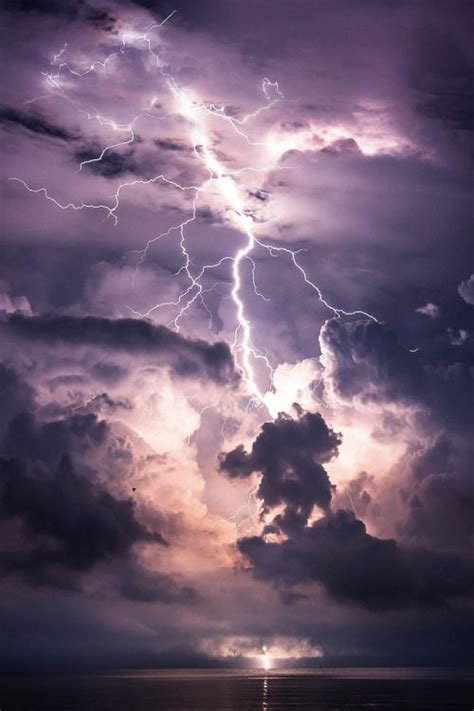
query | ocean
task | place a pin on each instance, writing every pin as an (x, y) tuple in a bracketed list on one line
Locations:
[(235, 690)]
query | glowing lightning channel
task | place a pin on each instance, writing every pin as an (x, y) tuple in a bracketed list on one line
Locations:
[(252, 514), (195, 113)]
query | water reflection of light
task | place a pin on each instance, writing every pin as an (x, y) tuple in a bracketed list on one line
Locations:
[(265, 705)]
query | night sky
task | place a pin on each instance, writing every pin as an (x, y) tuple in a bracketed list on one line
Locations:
[(236, 333)]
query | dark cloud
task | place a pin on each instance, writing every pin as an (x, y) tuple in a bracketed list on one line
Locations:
[(111, 165), (60, 522), (11, 118), (137, 159), (434, 484), (104, 402), (440, 511), (171, 145), (68, 9), (454, 108), (188, 358), (99, 17), (48, 441), (143, 585), (383, 232), (109, 373), (353, 566), (15, 396), (443, 81), (439, 495), (289, 453), (69, 521), (366, 360)]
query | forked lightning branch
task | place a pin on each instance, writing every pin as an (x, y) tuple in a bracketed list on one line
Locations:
[(232, 191)]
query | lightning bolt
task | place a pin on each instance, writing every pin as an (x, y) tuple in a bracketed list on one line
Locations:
[(248, 513), (233, 193)]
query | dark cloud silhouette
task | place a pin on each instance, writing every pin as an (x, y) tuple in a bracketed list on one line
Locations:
[(63, 523), (104, 402), (69, 521), (426, 568), (187, 357), (353, 566), (289, 453), (11, 118)]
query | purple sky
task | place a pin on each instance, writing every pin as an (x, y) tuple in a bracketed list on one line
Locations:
[(236, 316)]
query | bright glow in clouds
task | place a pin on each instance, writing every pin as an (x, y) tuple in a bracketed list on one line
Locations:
[(263, 654), (266, 660), (233, 194), (370, 139), (180, 230), (292, 383)]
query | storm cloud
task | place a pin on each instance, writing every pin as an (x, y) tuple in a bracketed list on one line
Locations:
[(356, 567), (152, 495), (187, 357), (289, 454), (70, 522), (34, 123), (365, 360), (63, 521)]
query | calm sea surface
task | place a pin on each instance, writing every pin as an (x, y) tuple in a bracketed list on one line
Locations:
[(217, 690)]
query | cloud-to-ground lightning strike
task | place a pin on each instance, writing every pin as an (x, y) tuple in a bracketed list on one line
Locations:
[(234, 194)]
